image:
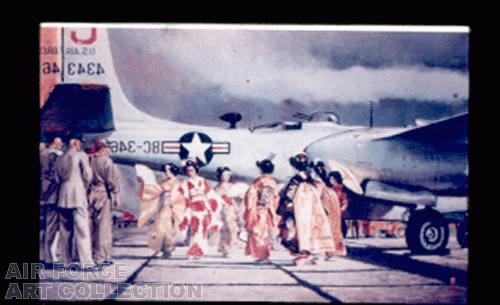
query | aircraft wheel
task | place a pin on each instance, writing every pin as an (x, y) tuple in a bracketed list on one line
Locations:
[(427, 232), (463, 234)]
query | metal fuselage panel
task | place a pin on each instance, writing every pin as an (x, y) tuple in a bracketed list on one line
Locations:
[(141, 141), (441, 168)]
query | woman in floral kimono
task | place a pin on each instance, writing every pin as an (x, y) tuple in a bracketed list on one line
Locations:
[(203, 210), (304, 227), (332, 208), (232, 196), (261, 201), (164, 203), (337, 183)]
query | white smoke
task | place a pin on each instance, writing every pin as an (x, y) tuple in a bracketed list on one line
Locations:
[(279, 65)]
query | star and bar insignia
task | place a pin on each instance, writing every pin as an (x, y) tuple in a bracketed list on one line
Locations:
[(197, 146)]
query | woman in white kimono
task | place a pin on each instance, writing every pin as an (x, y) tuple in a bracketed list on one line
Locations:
[(202, 213), (230, 214)]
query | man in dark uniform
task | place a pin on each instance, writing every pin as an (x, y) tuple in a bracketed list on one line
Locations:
[(48, 198)]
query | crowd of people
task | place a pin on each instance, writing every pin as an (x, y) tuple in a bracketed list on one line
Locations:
[(305, 215), (79, 189)]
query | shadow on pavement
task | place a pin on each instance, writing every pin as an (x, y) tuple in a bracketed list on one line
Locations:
[(378, 256)]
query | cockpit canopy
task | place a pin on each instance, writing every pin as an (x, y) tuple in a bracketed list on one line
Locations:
[(318, 116)]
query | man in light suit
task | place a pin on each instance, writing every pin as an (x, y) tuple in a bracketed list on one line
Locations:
[(104, 195), (74, 175)]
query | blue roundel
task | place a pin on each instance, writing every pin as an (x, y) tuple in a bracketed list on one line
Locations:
[(188, 138)]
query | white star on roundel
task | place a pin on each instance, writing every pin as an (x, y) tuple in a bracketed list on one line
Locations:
[(197, 148)]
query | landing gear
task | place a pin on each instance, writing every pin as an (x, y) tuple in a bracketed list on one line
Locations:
[(427, 232), (463, 234)]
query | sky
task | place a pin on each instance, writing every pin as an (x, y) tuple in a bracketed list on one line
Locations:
[(197, 75)]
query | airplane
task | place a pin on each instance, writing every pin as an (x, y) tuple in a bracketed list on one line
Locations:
[(408, 168), (87, 97)]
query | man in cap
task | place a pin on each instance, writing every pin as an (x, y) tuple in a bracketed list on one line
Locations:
[(48, 198), (73, 172), (104, 194)]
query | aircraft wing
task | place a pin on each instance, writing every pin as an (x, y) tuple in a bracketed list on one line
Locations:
[(395, 195), (154, 164), (449, 130)]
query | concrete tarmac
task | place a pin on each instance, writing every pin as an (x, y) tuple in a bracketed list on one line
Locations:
[(375, 270)]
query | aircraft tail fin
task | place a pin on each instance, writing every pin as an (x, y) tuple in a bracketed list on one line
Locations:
[(80, 57)]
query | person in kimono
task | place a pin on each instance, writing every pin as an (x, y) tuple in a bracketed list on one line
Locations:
[(338, 187), (261, 221), (304, 228), (331, 204), (165, 203), (229, 211), (203, 210)]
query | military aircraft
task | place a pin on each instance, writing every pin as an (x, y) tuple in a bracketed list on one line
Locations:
[(88, 98), (408, 168)]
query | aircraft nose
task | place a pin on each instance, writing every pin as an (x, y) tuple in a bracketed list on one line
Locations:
[(338, 156), (316, 149)]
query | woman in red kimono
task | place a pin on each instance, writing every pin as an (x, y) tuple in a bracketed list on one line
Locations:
[(337, 183), (261, 201), (304, 228), (202, 212), (332, 206)]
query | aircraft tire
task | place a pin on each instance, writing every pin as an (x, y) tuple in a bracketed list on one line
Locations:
[(427, 232), (463, 234)]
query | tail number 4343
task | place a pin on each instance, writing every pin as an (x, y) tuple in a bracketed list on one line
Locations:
[(73, 68)]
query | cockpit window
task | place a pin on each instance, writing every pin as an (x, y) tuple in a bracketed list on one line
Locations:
[(318, 116)]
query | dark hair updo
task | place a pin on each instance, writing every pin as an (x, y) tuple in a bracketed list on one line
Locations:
[(266, 166)]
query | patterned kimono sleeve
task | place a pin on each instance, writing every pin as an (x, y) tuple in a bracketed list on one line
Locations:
[(186, 219), (215, 204), (179, 202), (250, 206), (149, 203)]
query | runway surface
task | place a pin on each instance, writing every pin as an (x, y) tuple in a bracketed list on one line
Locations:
[(375, 270)]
